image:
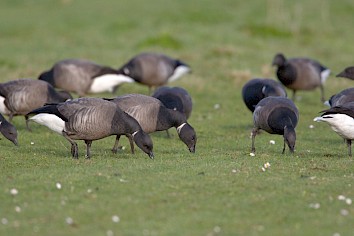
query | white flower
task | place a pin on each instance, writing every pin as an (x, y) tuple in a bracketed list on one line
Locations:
[(234, 171), (263, 169), (4, 221), (348, 201), (18, 209), (69, 220), (311, 126), (115, 219), (344, 212), (252, 154), (32, 143), (341, 197), (315, 205), (266, 165), (58, 185), (216, 106), (14, 191), (272, 142)]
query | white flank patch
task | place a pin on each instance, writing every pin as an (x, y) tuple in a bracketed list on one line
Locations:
[(179, 71), (108, 82), (51, 121), (342, 124), (324, 75), (3, 108)]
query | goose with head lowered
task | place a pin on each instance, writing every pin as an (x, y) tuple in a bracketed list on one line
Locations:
[(341, 120), (91, 119), (175, 98), (153, 116), (154, 70), (276, 115), (300, 73), (18, 97), (257, 89), (84, 77), (8, 130)]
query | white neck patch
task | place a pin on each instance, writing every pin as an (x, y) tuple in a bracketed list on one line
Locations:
[(107, 82), (180, 127), (133, 134)]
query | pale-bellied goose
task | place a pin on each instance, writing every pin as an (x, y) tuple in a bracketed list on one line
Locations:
[(83, 77), (257, 89), (276, 115), (153, 70), (153, 116), (341, 120), (8, 130), (91, 119), (301, 73), (18, 97)]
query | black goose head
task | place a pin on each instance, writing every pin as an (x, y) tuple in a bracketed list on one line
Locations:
[(290, 137), (279, 60), (144, 142), (187, 134), (47, 76), (9, 131), (347, 73)]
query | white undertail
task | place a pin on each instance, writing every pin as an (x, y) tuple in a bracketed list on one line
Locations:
[(51, 121), (107, 82)]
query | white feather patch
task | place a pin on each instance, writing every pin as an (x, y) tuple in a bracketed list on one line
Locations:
[(342, 124), (178, 72), (324, 75), (51, 121), (108, 82), (3, 108)]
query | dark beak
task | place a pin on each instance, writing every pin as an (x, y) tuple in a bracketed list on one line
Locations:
[(151, 155), (15, 142), (192, 149)]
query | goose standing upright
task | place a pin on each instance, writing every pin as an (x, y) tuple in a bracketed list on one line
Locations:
[(18, 97), (153, 116), (8, 130), (276, 115), (153, 70), (301, 73), (341, 120), (91, 119), (84, 77), (257, 89)]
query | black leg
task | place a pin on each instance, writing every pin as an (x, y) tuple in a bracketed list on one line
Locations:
[(283, 148), (27, 124), (168, 134), (88, 147), (131, 142), (254, 133), (322, 93), (74, 147), (349, 143), (294, 97), (116, 143)]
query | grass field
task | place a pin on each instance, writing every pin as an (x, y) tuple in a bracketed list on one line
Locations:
[(219, 190)]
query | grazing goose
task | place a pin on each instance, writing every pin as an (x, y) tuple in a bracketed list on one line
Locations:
[(257, 89), (175, 98), (347, 73), (154, 70), (345, 96), (301, 73), (91, 119), (83, 77), (276, 115), (18, 97), (153, 116), (8, 130), (341, 120)]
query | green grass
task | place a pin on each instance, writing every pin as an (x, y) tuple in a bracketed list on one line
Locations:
[(219, 190)]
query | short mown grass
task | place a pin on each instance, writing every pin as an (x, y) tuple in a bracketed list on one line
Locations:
[(219, 190)]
